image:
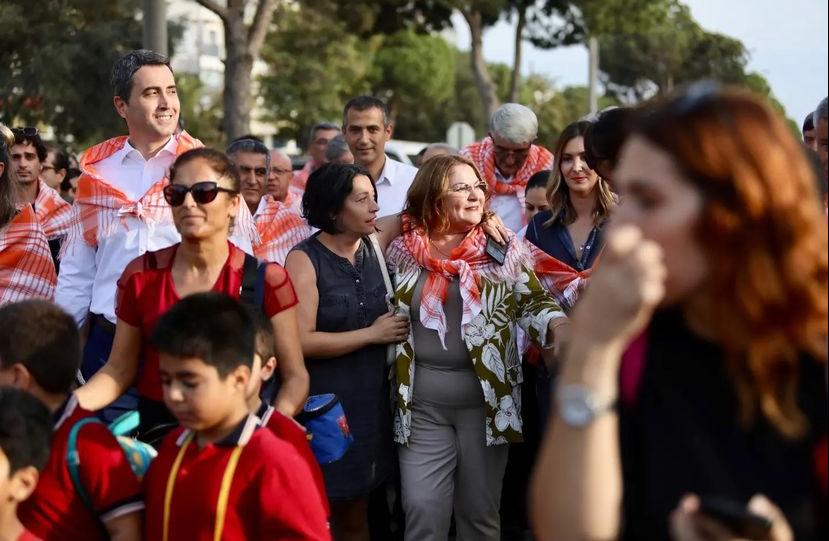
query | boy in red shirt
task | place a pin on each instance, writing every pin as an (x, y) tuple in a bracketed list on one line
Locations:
[(24, 448), (219, 475), (283, 427), (40, 354)]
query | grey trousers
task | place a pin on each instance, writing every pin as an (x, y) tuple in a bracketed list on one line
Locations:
[(447, 464)]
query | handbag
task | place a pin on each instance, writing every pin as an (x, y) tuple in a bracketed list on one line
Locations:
[(324, 418), (391, 352)]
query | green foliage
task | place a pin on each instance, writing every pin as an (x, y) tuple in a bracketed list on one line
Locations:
[(200, 112), (316, 65), (415, 74), (55, 59)]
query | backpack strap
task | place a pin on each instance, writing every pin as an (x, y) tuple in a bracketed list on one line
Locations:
[(247, 295), (73, 460)]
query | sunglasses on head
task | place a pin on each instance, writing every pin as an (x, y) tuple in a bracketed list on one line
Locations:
[(25, 132), (203, 192)]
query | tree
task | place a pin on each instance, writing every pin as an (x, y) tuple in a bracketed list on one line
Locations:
[(243, 43), (55, 61), (314, 66), (200, 112)]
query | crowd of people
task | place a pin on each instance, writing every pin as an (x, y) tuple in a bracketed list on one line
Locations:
[(623, 337)]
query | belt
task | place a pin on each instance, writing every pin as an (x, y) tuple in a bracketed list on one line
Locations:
[(103, 323)]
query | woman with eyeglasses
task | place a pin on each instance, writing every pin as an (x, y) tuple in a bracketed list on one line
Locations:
[(458, 374), (692, 404), (26, 268), (204, 196)]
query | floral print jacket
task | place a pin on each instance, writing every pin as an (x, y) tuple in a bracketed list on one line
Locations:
[(510, 295)]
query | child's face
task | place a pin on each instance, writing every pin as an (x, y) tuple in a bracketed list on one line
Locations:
[(15, 487), (535, 201), (197, 396)]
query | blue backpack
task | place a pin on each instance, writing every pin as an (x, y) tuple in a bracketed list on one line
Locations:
[(138, 454)]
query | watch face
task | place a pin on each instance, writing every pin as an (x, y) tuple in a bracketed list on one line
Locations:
[(576, 412)]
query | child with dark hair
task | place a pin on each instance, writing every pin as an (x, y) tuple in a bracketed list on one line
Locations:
[(259, 402), (40, 354), (219, 475), (24, 449)]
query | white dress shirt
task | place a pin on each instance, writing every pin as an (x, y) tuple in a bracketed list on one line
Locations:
[(507, 206), (88, 275), (393, 185)]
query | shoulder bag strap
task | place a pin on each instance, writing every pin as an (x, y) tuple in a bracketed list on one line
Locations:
[(73, 460)]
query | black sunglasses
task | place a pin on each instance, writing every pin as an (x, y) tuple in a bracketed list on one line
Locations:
[(203, 192), (25, 132)]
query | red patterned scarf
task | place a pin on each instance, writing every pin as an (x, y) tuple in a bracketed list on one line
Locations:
[(280, 229), (101, 208), (560, 279), (54, 213), (300, 178), (482, 155), (26, 267)]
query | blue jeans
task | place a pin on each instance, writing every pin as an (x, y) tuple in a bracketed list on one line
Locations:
[(95, 355)]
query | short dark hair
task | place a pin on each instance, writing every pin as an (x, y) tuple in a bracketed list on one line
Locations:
[(326, 191), (61, 160), (66, 183), (25, 429), (808, 123), (539, 180), (121, 77), (364, 103), (319, 126), (216, 160), (254, 146), (248, 136), (605, 137), (42, 337), (209, 326), (21, 138), (264, 336)]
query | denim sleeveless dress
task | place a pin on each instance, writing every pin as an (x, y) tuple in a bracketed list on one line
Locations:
[(351, 297)]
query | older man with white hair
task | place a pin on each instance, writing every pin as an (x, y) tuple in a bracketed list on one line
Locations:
[(507, 158)]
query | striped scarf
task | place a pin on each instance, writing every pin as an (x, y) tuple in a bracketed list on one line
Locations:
[(561, 280), (469, 262), (280, 229), (54, 213), (300, 178), (101, 208), (482, 155), (26, 266)]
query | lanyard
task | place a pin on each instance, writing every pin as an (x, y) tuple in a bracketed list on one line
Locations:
[(224, 490)]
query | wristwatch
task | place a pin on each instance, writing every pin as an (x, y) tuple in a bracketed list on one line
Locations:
[(578, 406)]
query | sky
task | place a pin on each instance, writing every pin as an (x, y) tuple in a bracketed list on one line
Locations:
[(788, 43)]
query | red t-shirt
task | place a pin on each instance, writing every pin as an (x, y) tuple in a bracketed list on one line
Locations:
[(272, 496), (146, 291), (294, 434), (54, 510)]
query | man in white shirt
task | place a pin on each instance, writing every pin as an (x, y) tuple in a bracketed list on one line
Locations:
[(367, 128), (507, 158), (119, 211)]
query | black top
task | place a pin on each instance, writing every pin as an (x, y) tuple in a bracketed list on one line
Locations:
[(554, 239), (682, 435), (351, 297)]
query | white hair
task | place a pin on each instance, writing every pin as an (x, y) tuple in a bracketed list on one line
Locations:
[(821, 112), (514, 123)]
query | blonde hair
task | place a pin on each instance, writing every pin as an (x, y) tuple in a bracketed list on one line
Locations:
[(558, 194)]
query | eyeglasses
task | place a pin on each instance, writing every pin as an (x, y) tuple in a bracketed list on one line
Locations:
[(465, 189), (519, 154), (203, 192)]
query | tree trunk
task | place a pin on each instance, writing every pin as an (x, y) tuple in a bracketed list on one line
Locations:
[(238, 68), (516, 61), (486, 88)]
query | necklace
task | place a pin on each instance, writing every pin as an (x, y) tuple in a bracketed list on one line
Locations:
[(441, 252)]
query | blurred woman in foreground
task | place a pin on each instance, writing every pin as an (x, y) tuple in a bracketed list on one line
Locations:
[(697, 361)]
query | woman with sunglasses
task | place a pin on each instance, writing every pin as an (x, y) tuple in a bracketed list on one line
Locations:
[(458, 387), (204, 195), (697, 365)]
